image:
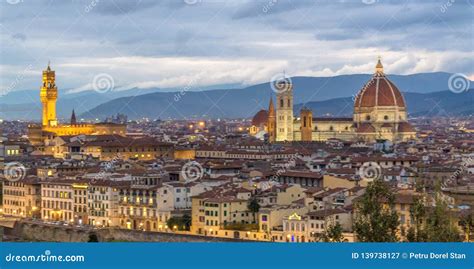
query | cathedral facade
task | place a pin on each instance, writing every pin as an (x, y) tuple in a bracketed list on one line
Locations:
[(379, 113), (50, 127)]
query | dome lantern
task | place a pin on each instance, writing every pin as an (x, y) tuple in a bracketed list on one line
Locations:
[(379, 67)]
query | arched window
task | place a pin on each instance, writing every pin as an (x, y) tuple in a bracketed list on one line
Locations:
[(289, 103), (385, 117), (331, 128), (281, 102), (367, 117)]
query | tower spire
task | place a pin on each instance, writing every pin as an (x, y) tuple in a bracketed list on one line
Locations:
[(73, 118)]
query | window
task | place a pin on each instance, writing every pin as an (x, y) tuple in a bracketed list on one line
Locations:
[(367, 117), (385, 117), (281, 103)]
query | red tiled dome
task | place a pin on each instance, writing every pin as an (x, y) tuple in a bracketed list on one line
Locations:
[(379, 91), (260, 118)]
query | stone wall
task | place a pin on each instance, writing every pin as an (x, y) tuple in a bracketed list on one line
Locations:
[(29, 231)]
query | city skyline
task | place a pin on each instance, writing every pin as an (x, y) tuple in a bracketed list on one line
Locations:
[(277, 121)]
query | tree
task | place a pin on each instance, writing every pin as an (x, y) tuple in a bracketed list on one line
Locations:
[(439, 225), (333, 233), (419, 184), (182, 223), (467, 223), (416, 232), (253, 207), (376, 219)]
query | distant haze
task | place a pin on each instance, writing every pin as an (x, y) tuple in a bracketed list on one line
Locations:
[(324, 95)]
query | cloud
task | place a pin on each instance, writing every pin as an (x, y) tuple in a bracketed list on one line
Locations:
[(115, 7), (19, 36), (165, 44)]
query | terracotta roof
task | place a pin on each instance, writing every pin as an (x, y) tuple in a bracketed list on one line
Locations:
[(332, 119), (304, 174), (365, 128), (260, 118), (326, 212), (379, 91), (405, 127), (117, 141)]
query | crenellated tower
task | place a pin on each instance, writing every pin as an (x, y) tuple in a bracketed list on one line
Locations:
[(48, 96)]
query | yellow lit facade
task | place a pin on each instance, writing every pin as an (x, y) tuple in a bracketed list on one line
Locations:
[(49, 123)]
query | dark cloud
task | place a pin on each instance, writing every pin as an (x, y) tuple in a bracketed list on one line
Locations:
[(120, 7), (19, 36), (311, 37)]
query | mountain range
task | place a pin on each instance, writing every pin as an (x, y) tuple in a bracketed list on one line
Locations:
[(425, 94)]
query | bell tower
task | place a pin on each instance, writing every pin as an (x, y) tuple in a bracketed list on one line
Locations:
[(48, 96), (306, 124), (284, 112), (271, 124)]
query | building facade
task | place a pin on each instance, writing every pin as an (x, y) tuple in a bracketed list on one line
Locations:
[(379, 113), (50, 126)]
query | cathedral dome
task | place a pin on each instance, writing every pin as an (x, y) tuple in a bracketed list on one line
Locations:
[(260, 118), (379, 91)]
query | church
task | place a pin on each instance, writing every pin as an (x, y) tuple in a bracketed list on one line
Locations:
[(379, 114), (50, 127)]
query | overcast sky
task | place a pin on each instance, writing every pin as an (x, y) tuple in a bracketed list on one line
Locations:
[(209, 42)]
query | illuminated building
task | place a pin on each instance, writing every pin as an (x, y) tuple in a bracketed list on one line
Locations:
[(379, 113), (50, 127)]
